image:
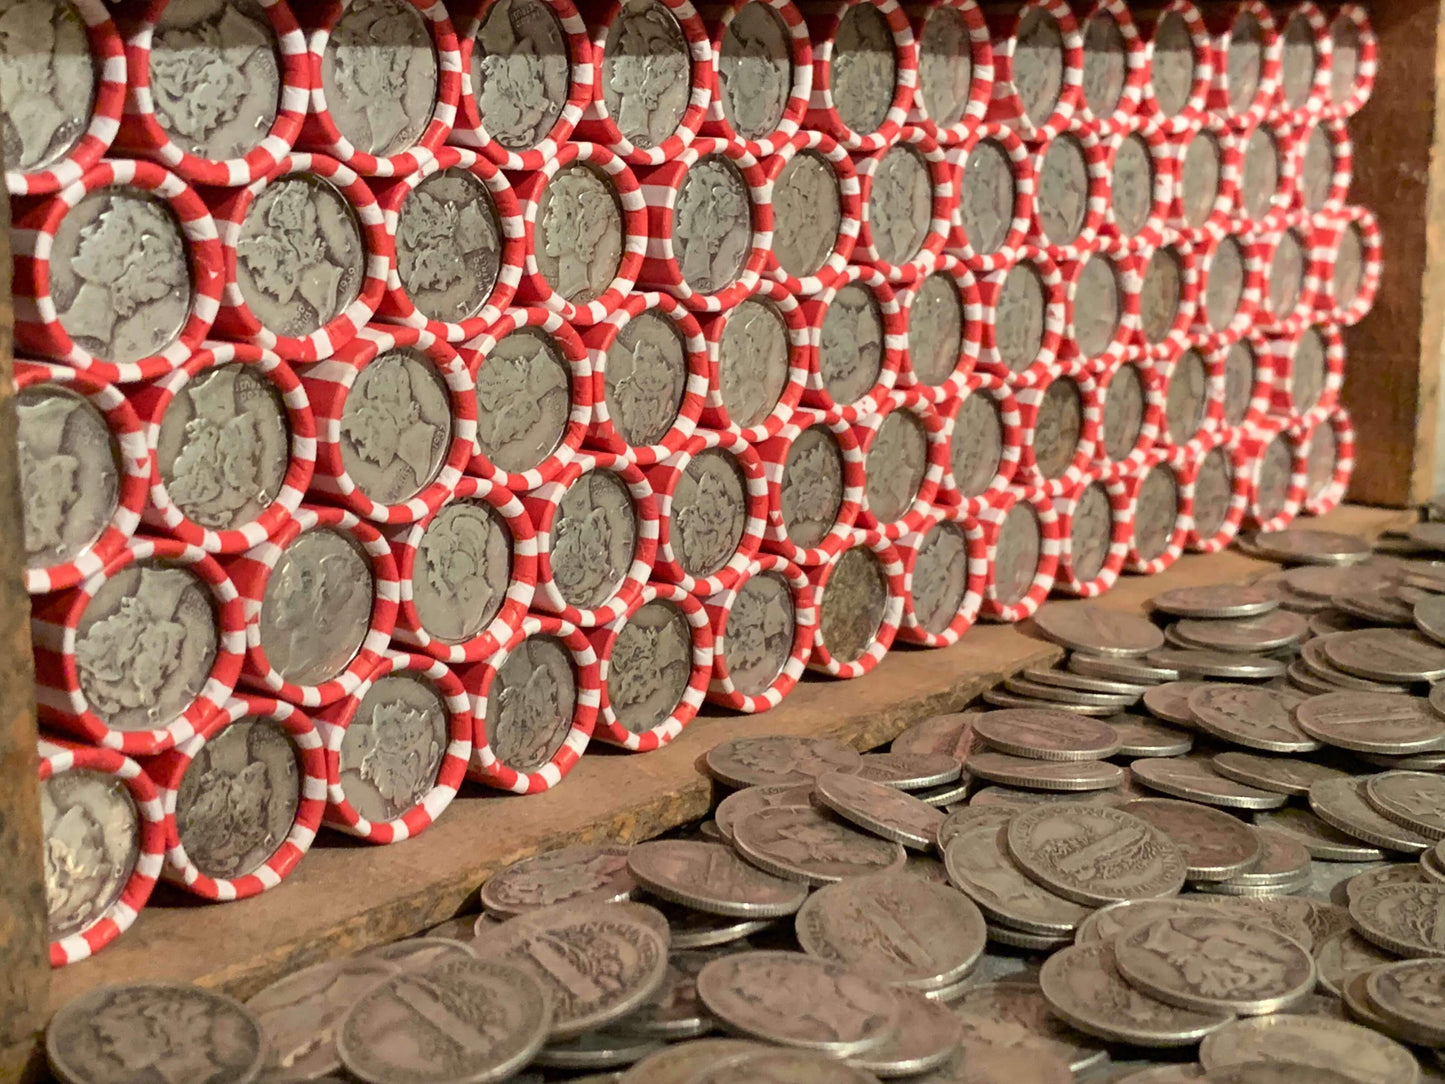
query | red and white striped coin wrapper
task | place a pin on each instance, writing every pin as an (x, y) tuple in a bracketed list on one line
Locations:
[(408, 542), (824, 22), (1308, 370), (672, 263), (1221, 491), (1295, 265), (951, 127), (1110, 95), (922, 438), (115, 645), (334, 722), (1018, 515), (40, 328), (962, 558), (1160, 512), (1101, 304), (169, 770), (100, 120), (883, 556), (664, 478), (1208, 163), (872, 343), (1330, 461), (1354, 61), (1070, 408), (1124, 443), (1033, 93), (790, 207), (154, 400), (470, 129), (1141, 184), (697, 661), (330, 384), (752, 647), (1168, 297), (397, 306), (237, 321), (534, 289), (572, 549), (874, 247), (777, 457), (1067, 219), (990, 223), (1274, 457), (1350, 277), (1193, 396), (1023, 319), (321, 133), (1181, 65), (731, 58), (597, 123), (1247, 53), (1090, 565), (533, 694), (1267, 180), (986, 404), (1231, 285), (1306, 70), (1245, 372), (143, 132), (252, 574), (132, 461), (629, 379), (57, 757), (500, 407), (786, 306), (1324, 166), (919, 318)]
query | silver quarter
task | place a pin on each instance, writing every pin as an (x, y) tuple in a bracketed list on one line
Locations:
[(650, 667), (1020, 315), (976, 445), (583, 873), (1322, 840), (1372, 722), (1033, 774), (909, 771), (756, 639), (852, 604), (863, 69), (1091, 628), (752, 361), (712, 224), (945, 66), (1046, 735), (594, 537), (878, 808), (710, 877), (92, 843), (742, 802), (520, 70), (379, 75), (1194, 779), (531, 703), (754, 71), (524, 391), (579, 232), (1143, 737), (935, 327), (395, 426), (1342, 804), (939, 583), (804, 845), (316, 607), (645, 73), (393, 747), (1215, 845), (778, 760), (978, 863), (894, 466), (645, 377), (811, 493), (1248, 715), (1390, 873), (1017, 551), (1057, 428), (1015, 1015), (1215, 601), (1095, 855), (461, 571), (1281, 774), (1414, 800), (807, 205), (900, 204), (448, 238), (1315, 1042), (46, 64), (850, 344), (1064, 184), (987, 194)]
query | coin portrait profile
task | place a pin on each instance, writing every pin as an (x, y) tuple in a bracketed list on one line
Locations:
[(579, 233)]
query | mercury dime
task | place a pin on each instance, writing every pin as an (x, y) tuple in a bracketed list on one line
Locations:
[(1215, 845), (1057, 428), (1047, 735), (1195, 780), (976, 857), (752, 361), (1216, 601), (1217, 664), (880, 809), (1322, 840), (1415, 800), (1038, 64), (711, 878), (645, 73), (448, 240), (1244, 61), (1170, 701), (1342, 803), (742, 802), (754, 71), (863, 71), (945, 66), (1199, 180), (1142, 737), (393, 747), (119, 276), (531, 703), (1387, 655), (1045, 775), (1248, 715), (145, 645), (594, 537), (756, 638), (1282, 865), (1186, 397), (316, 607), (1105, 925), (1224, 284), (987, 196), (1172, 73), (812, 487), (380, 96), (909, 771), (1283, 775), (1091, 532), (940, 579), (778, 760), (850, 343), (1286, 275), (712, 224), (586, 872), (1349, 271), (1160, 294), (1020, 317), (1239, 380), (1064, 184), (461, 571), (807, 206), (92, 844), (899, 208), (69, 465), (951, 735), (976, 444), (50, 80), (1095, 854), (395, 426), (1408, 996), (1388, 874), (650, 666), (895, 466), (1091, 628), (520, 68), (1156, 513), (1373, 722), (852, 604), (1014, 1014), (645, 376), (1134, 183), (1123, 412), (579, 233), (1017, 549), (928, 1033), (803, 844), (1317, 1042)]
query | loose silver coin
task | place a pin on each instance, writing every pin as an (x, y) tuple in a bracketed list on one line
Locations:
[(1282, 861), (778, 760), (1321, 839), (1317, 1043), (1283, 775), (1341, 803), (1095, 630), (1046, 735), (380, 96), (1003, 698), (1132, 670), (710, 877), (1067, 679), (1388, 874), (805, 845), (979, 865), (1387, 655), (1387, 724), (740, 803), (600, 1049), (1194, 779), (950, 735), (1254, 717), (1215, 601), (1069, 700), (1170, 701), (681, 1062), (878, 808), (1143, 737), (804, 1066), (1314, 657), (928, 1032), (1407, 996), (1198, 663), (1031, 774), (1052, 842), (691, 929), (1414, 800), (1307, 547), (1016, 1014), (909, 771), (1215, 845), (1405, 919), (1343, 955), (1266, 632), (586, 872)]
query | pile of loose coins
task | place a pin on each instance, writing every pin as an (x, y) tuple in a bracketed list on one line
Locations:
[(1220, 857), (412, 393)]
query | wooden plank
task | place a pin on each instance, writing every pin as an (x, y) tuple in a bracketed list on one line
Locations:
[(1393, 380)]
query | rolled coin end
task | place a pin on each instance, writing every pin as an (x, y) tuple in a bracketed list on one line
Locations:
[(815, 487), (857, 624), (759, 363), (1021, 535), (997, 186), (770, 125), (945, 565), (1330, 462), (763, 631), (858, 333), (901, 234), (1095, 535), (985, 443), (863, 83), (1037, 88)]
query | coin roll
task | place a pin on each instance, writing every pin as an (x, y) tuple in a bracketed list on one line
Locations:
[(1294, 269), (997, 187), (1248, 51), (943, 321), (1329, 462), (1168, 297), (533, 683), (905, 453), (862, 340), (1352, 249), (797, 215), (1101, 303), (868, 572), (578, 546), (1132, 418), (656, 388), (1323, 165), (1181, 66), (709, 224), (1160, 504), (295, 739), (1036, 89), (321, 325), (1267, 178), (884, 181), (1193, 397), (711, 492), (609, 171), (1115, 66), (1307, 68), (1061, 420), (1274, 457), (670, 662), (953, 39), (529, 142), (1213, 467), (498, 230), (1354, 61), (1244, 373), (745, 45), (1018, 523), (147, 48), (176, 693), (517, 394), (851, 78), (1231, 285), (43, 421), (945, 565), (1095, 533), (756, 386), (213, 485), (1207, 163), (460, 570), (303, 594), (414, 789), (1308, 370), (322, 132), (1023, 313), (815, 486), (985, 436), (772, 638), (147, 820), (121, 338), (1073, 192), (1141, 184)]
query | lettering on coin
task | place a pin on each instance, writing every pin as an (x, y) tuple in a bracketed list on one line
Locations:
[(69, 473), (758, 633), (92, 842), (317, 607), (531, 703), (754, 69), (812, 489), (645, 73), (393, 747), (579, 233), (651, 666), (379, 75), (520, 69)]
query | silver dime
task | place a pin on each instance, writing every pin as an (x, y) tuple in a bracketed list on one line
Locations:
[(579, 232), (1091, 532), (119, 277), (1038, 64), (1388, 874), (752, 361), (523, 400), (650, 666), (710, 877), (1224, 284), (803, 844), (1199, 179), (1195, 780), (1143, 737), (92, 843), (1281, 774), (812, 487), (46, 65), (894, 466), (1343, 955), (582, 873), (594, 536), (939, 582), (1057, 427), (461, 571), (756, 639), (417, 954), (448, 239), (1216, 664), (1216, 601), (1213, 493), (1373, 722), (1023, 698), (1321, 462), (1342, 803), (935, 327), (316, 608), (1215, 845), (1172, 71), (852, 604), (976, 857), (900, 204), (928, 1033), (1046, 735), (1064, 186), (976, 444), (1156, 513), (802, 1066), (645, 377), (1097, 305), (754, 71), (1309, 547), (987, 196), (1407, 995), (863, 69), (1119, 669), (70, 470), (1402, 918), (1090, 628), (1013, 1014), (1134, 183), (1322, 840), (1160, 295), (1170, 701), (1105, 63), (807, 205), (1094, 854), (1067, 679), (601, 1049), (1107, 924), (531, 703), (1073, 701), (680, 1063), (520, 70), (1274, 478), (674, 1011), (393, 746), (878, 808), (395, 426), (645, 73), (1247, 715), (945, 66), (1260, 173), (1034, 774), (1017, 550), (1282, 861), (1264, 632), (1186, 397), (1244, 61), (742, 802), (379, 75), (1286, 275), (145, 645), (909, 771), (1021, 311), (712, 224), (1415, 800), (691, 929), (300, 258), (951, 735), (1315, 1042), (778, 760), (850, 344)]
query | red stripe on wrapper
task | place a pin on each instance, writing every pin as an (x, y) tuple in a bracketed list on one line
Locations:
[(1012, 91), (824, 22), (850, 211), (800, 81), (970, 344), (715, 412), (992, 516), (1067, 580)]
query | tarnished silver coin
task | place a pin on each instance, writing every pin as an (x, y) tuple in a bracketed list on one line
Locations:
[(1064, 184), (395, 426), (928, 1033), (805, 845), (752, 360), (1313, 657), (712, 224), (594, 537), (1156, 512), (1172, 73), (461, 571), (1225, 281), (1186, 397), (1215, 601), (1213, 493), (1134, 184), (531, 703), (1017, 550), (393, 746), (1200, 663), (1097, 305), (1072, 701), (1372, 722), (1414, 800), (1343, 955), (1215, 845), (807, 205), (316, 607), (379, 74), (863, 70), (802, 1066), (1143, 737), (709, 512), (987, 192), (680, 1063), (1429, 617), (1194, 779), (1160, 294), (448, 238), (850, 344), (946, 795), (1342, 804), (92, 843), (811, 492), (1406, 919), (1067, 679), (754, 71), (1281, 774), (710, 877), (650, 666), (1297, 545), (1095, 854), (520, 66), (909, 771), (1105, 925), (1388, 874), (1260, 173), (950, 735), (583, 873), (756, 639), (1349, 271), (1266, 632), (778, 760), (1321, 839), (145, 645), (1015, 1014), (895, 466), (1020, 317), (1046, 735), (852, 604), (1033, 774), (935, 327), (1090, 628), (979, 865), (1058, 424), (742, 802), (1131, 670), (1038, 64), (579, 232), (1105, 63), (945, 66), (605, 1048), (114, 1034), (1251, 716), (674, 1011), (881, 809), (1283, 865), (899, 207), (1286, 275), (1170, 701), (1091, 532), (645, 73), (1408, 996), (45, 61), (1316, 1042)]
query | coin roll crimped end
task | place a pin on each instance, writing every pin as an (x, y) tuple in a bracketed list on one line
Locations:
[(715, 415), (775, 454), (993, 516), (942, 206), (1265, 43), (1037, 405), (1135, 55), (824, 25), (1328, 494), (1013, 76), (880, 640), (1068, 580), (722, 689), (1023, 179)]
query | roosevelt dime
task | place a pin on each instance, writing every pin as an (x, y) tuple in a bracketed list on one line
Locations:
[(852, 604), (579, 232), (92, 843), (379, 75), (531, 703), (593, 538), (1095, 855), (850, 344), (755, 640), (395, 426), (712, 878), (586, 873), (650, 666), (449, 239), (1215, 845), (802, 844), (976, 857), (987, 193), (879, 808), (316, 607), (393, 746), (645, 73), (1316, 1042), (520, 70)]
